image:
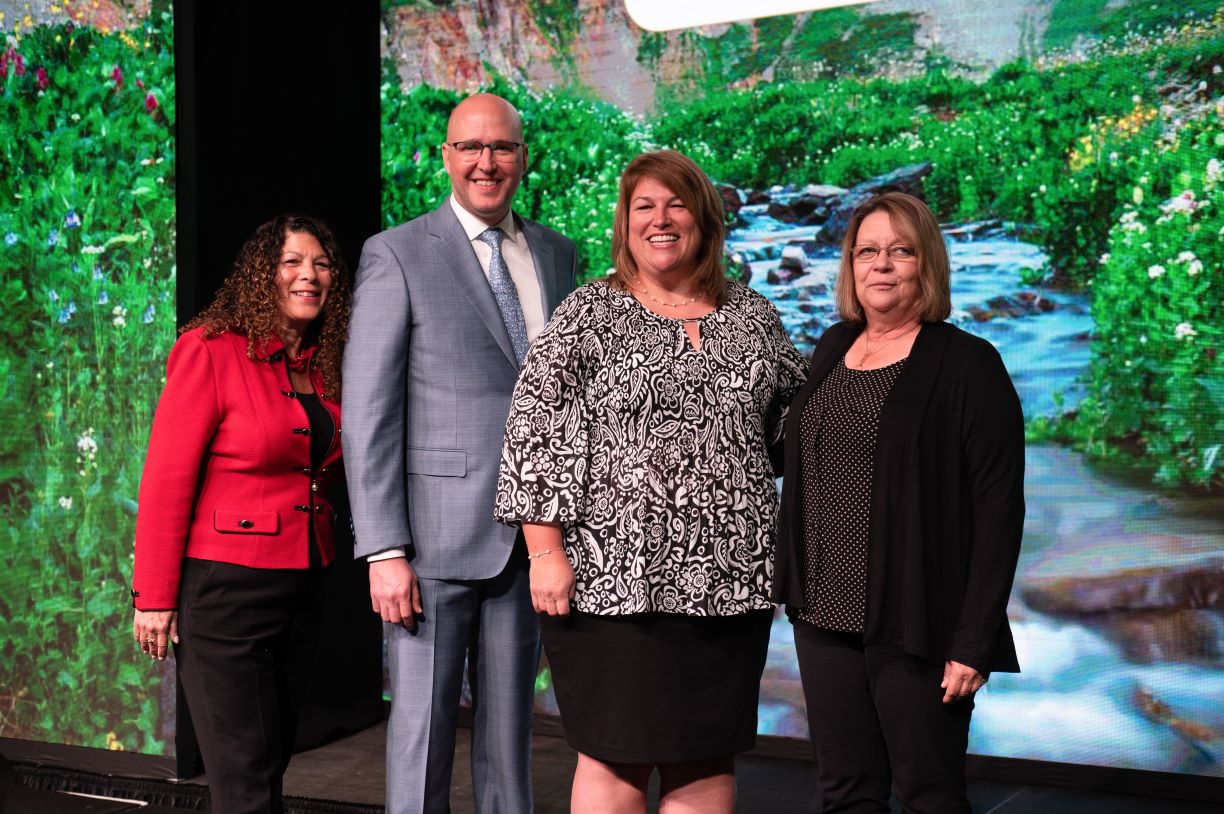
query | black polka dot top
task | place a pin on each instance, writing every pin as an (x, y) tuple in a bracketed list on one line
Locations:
[(837, 433)]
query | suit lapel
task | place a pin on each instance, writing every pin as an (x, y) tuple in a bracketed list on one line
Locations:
[(542, 256), (455, 252)]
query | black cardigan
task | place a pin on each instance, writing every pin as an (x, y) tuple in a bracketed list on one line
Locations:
[(947, 500)]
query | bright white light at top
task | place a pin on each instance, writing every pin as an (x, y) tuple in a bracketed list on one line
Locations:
[(669, 15)]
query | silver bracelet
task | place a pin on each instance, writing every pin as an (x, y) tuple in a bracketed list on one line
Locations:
[(539, 554)]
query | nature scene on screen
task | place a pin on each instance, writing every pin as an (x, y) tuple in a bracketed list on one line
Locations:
[(87, 232), (1073, 150)]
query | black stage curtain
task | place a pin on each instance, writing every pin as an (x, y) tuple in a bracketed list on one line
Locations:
[(278, 110)]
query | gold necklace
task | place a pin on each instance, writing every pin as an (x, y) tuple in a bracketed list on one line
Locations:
[(868, 352), (653, 299)]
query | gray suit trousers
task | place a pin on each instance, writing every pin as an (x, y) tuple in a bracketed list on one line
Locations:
[(492, 624)]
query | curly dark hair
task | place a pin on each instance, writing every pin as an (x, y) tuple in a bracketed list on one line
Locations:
[(248, 302)]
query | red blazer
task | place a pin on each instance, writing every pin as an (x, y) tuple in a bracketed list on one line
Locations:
[(227, 475)]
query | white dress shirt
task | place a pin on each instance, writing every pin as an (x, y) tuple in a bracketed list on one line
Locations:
[(517, 256)]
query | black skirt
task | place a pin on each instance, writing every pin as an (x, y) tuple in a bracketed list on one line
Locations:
[(658, 688)]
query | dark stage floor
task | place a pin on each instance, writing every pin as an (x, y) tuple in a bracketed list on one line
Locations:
[(350, 771)]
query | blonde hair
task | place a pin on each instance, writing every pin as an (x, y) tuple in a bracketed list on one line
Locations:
[(914, 220), (682, 176)]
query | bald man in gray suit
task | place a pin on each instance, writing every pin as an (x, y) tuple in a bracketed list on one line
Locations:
[(443, 309)]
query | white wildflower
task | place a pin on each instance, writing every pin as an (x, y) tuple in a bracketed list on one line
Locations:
[(65, 503), (1182, 204), (1156, 271), (86, 443), (1184, 330)]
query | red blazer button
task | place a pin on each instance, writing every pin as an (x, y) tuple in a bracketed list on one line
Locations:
[(246, 524)]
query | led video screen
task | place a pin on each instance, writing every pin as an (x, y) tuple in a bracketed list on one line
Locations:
[(87, 243), (1072, 151)]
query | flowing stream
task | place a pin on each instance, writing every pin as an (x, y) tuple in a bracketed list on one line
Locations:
[(1082, 697)]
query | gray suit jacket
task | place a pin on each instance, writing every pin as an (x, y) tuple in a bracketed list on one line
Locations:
[(428, 375)]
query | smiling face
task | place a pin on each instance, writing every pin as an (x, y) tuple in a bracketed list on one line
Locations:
[(663, 236), (886, 285), (303, 278), (484, 186)]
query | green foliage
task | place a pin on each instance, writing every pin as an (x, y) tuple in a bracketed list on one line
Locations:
[(832, 43), (87, 268), (1070, 19), (1006, 148), (847, 42), (571, 182), (1157, 381), (1144, 16), (651, 48), (557, 19), (413, 130)]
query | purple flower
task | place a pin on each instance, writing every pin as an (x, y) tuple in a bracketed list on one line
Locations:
[(416, 157), (98, 274), (53, 238), (64, 315), (10, 238), (103, 297), (117, 78), (150, 103), (72, 220), (40, 77), (148, 314), (52, 295)]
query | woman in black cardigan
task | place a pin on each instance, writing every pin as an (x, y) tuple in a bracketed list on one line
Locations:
[(902, 512)]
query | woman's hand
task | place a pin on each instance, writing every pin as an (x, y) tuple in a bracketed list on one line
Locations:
[(154, 630), (552, 583), (960, 681)]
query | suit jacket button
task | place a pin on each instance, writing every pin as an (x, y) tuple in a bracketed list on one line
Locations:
[(246, 524), (314, 486)]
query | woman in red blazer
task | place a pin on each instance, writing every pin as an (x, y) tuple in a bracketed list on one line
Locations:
[(236, 520)]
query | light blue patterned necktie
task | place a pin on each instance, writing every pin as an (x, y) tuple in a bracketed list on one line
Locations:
[(505, 293)]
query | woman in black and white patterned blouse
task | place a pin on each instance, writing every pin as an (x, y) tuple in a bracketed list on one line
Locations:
[(637, 460), (902, 510)]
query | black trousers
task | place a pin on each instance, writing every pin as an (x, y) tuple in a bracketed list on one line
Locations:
[(237, 629), (878, 724)]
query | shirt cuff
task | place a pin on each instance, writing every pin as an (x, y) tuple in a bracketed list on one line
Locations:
[(389, 554)]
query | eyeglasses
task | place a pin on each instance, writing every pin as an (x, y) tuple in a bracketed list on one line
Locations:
[(898, 254), (471, 150)]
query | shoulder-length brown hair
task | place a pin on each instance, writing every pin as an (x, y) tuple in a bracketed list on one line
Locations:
[(248, 302), (914, 221), (682, 176)]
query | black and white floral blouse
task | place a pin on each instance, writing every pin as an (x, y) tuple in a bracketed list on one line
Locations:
[(652, 455)]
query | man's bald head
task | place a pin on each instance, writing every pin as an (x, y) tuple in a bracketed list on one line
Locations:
[(483, 106), (484, 180)]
